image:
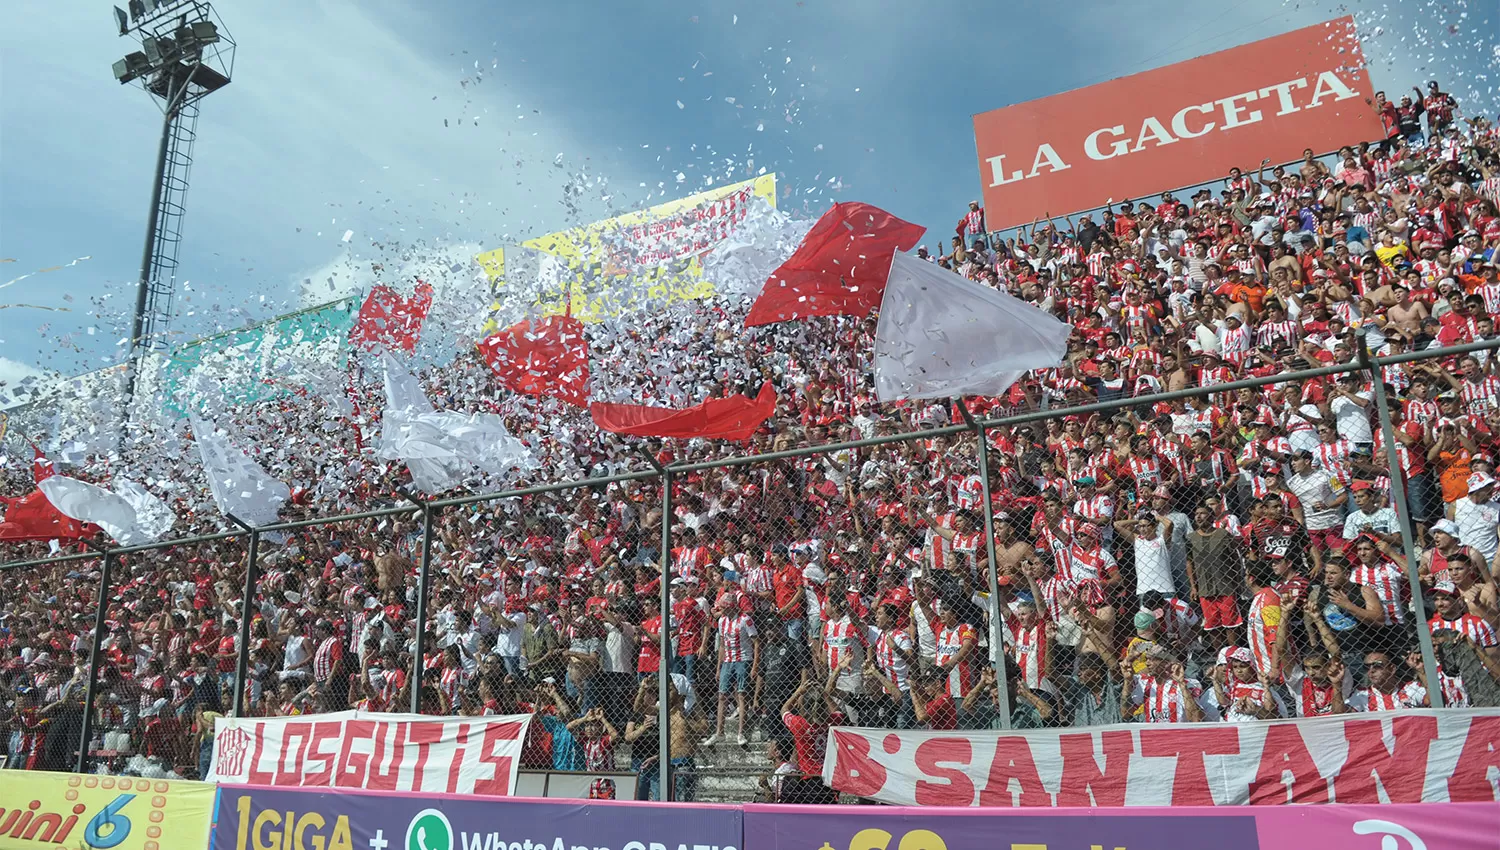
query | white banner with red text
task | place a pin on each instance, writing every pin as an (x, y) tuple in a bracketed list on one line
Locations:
[(1417, 756), (384, 752)]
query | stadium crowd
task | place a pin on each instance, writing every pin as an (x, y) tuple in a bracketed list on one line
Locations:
[(1232, 557)]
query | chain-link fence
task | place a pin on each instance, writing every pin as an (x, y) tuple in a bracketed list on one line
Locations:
[(1235, 553)]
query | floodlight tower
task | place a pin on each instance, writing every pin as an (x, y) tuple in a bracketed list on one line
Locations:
[(185, 54)]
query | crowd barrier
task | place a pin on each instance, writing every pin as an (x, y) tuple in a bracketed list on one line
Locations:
[(62, 810)]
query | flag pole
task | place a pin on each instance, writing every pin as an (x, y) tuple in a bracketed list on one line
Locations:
[(996, 610)]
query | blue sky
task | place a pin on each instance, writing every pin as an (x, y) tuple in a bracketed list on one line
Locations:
[(336, 118)]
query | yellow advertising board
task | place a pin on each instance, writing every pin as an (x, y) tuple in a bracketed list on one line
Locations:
[(612, 265), (65, 810)]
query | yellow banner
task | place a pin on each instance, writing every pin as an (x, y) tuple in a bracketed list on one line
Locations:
[(602, 263), (63, 810)]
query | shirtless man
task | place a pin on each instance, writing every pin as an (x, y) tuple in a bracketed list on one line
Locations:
[(687, 730), (1406, 315), (1009, 549)]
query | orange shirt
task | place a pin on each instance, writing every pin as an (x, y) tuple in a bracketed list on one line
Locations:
[(1453, 474)]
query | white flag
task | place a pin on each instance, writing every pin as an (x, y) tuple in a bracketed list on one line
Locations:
[(942, 336), (239, 485), (87, 502), (441, 448), (153, 517)]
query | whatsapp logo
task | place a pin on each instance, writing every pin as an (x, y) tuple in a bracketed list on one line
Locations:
[(429, 830)]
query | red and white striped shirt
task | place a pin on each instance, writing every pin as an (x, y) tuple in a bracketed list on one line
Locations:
[(949, 643), (1469, 626), (1409, 695), (1164, 701), (1480, 396), (1145, 470), (329, 653), (736, 632), (841, 640), (1265, 618), (1389, 586), (1028, 647), (887, 657)]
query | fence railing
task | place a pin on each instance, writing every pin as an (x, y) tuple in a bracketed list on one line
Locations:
[(994, 560)]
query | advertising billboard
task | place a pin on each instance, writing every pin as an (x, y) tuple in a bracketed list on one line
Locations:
[(1176, 126)]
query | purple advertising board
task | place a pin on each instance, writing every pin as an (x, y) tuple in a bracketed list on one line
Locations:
[(1424, 826), (259, 818)]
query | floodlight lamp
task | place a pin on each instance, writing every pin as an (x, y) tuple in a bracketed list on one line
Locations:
[(137, 9), (122, 21), (205, 32), (159, 50), (133, 65)]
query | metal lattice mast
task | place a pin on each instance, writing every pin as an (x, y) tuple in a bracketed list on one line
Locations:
[(185, 55)]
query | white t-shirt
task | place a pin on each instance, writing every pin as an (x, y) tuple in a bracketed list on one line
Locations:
[(1314, 488), (1351, 420), (1476, 525), (1153, 566), (508, 641)]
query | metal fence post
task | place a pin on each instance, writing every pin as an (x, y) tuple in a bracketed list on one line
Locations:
[(996, 610), (96, 656), (664, 639), (242, 653), (1403, 519), (418, 661)]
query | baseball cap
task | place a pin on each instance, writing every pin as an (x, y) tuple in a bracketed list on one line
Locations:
[(1446, 526), (1445, 586), (1479, 481)]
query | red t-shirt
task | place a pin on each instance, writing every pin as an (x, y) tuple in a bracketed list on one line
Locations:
[(649, 661), (690, 622), (941, 713), (811, 742)]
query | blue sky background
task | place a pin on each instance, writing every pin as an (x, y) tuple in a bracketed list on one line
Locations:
[(372, 116)]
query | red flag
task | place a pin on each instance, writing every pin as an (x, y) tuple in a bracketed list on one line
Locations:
[(32, 517), (41, 467), (391, 321), (733, 418), (542, 357), (839, 269)]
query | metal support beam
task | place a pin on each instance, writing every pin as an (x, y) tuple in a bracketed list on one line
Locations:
[(664, 645), (1403, 517), (96, 657), (996, 610), (247, 598), (424, 579)]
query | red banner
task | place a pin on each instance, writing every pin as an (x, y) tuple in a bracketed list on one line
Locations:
[(1176, 126), (732, 418), (542, 357), (386, 752), (388, 320), (1417, 756)]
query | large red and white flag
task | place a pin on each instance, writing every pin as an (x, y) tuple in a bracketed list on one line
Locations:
[(840, 268), (129, 514)]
